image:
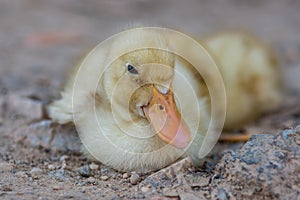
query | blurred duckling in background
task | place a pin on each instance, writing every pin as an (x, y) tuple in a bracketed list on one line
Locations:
[(157, 131), (251, 76)]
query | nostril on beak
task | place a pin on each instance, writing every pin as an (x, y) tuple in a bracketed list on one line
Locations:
[(161, 107)]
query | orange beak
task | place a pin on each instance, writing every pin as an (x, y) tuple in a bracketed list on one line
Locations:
[(163, 115)]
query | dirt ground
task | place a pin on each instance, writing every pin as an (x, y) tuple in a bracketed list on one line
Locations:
[(40, 41)]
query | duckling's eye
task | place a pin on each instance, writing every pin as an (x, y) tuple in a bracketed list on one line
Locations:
[(131, 69)]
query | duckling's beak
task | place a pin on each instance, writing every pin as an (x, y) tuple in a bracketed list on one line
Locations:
[(163, 115)]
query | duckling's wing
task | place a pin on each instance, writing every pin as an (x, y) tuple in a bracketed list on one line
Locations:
[(81, 85)]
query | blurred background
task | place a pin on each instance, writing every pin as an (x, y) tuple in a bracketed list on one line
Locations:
[(41, 40)]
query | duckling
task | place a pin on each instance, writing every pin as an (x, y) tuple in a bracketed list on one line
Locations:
[(251, 75), (138, 113), (127, 117)]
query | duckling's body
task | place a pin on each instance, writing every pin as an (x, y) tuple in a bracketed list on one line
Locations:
[(118, 113)]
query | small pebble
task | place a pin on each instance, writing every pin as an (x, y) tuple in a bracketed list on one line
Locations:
[(125, 175), (64, 158), (138, 196), (91, 180), (60, 174), (5, 167), (51, 167), (94, 166), (84, 171), (56, 187), (287, 133), (261, 177), (145, 189), (221, 194), (134, 178), (21, 174), (36, 171), (104, 178)]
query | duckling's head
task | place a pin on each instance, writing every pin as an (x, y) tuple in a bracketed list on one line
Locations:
[(138, 84)]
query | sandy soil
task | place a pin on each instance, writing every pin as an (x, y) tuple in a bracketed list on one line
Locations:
[(41, 40)]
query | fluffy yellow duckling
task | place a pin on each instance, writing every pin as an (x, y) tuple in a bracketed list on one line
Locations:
[(250, 73), (118, 114), (139, 115)]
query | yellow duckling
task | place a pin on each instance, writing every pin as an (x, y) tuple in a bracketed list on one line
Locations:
[(251, 75), (138, 113)]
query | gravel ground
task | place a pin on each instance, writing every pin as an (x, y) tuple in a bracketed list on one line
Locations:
[(41, 40)]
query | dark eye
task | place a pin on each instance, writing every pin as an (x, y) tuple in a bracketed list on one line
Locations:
[(131, 69)]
